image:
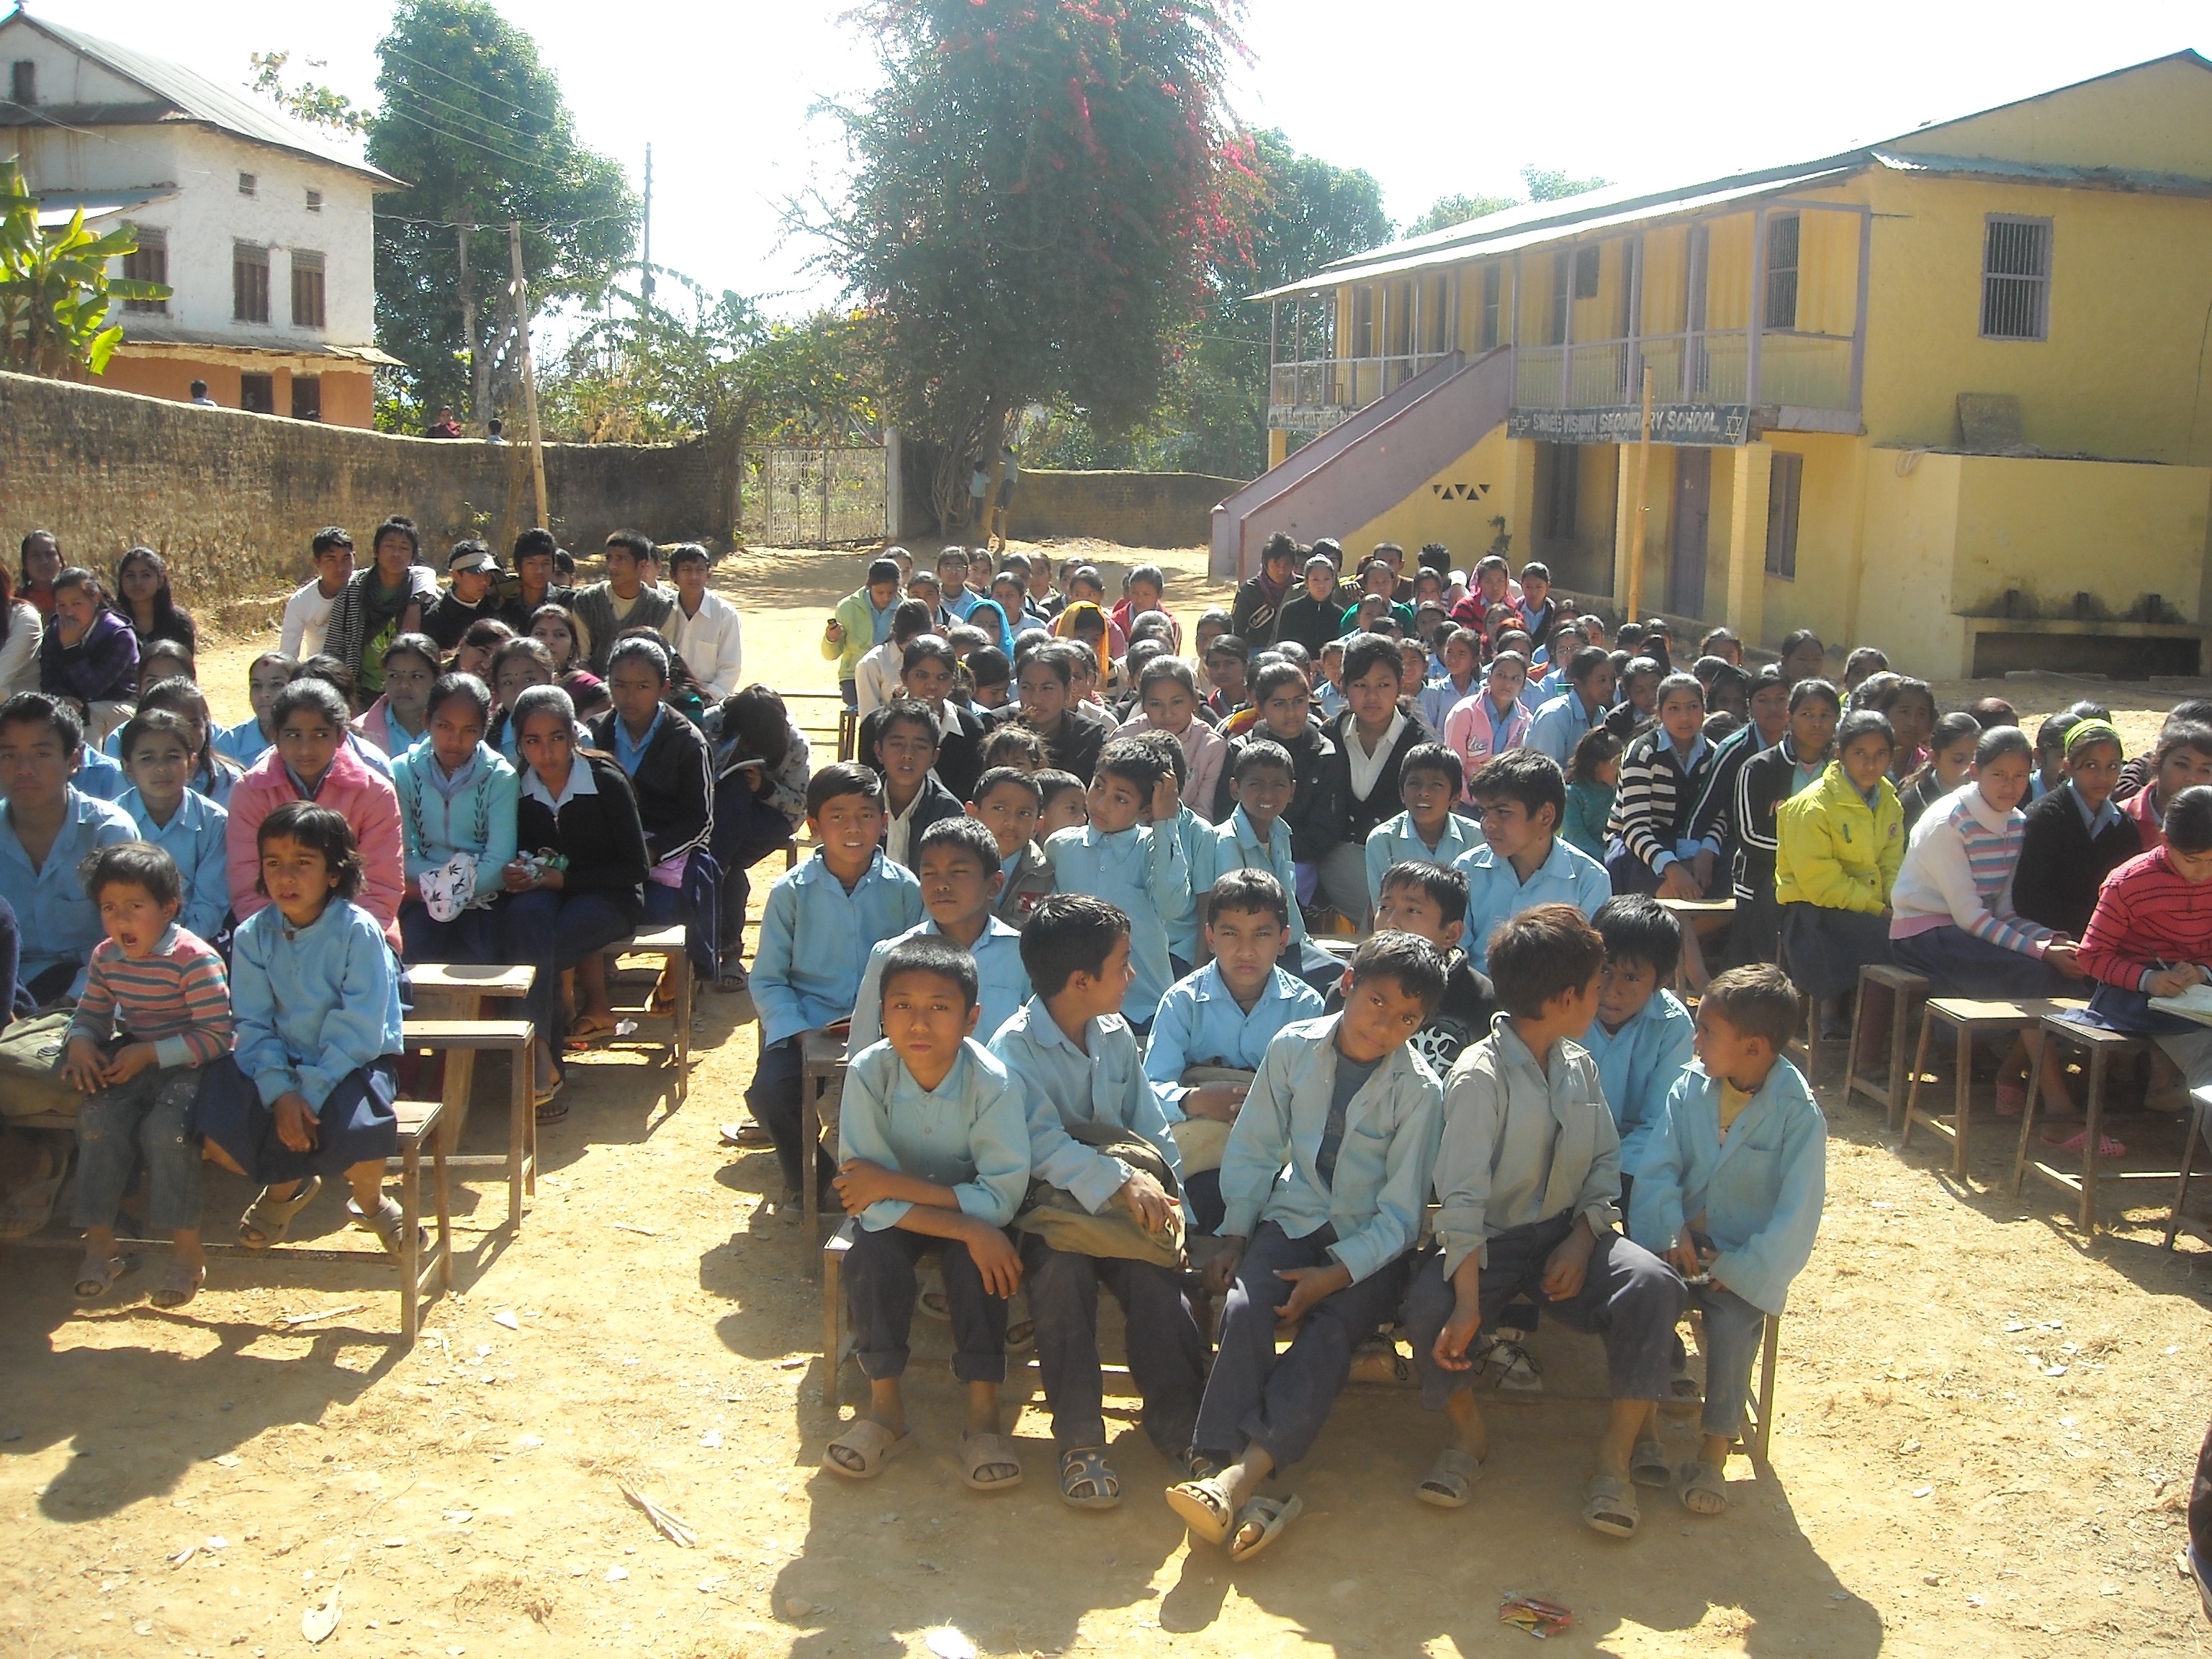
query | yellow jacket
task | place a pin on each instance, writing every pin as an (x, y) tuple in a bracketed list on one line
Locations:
[(1834, 850)]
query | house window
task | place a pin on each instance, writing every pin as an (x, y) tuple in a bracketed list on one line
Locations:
[(1785, 488), (23, 82), (2016, 279), (307, 290), (306, 398), (315, 201), (1493, 285), (249, 283), (248, 185), (257, 393), (1586, 271), (1562, 282), (147, 263), (1782, 241), (1559, 487)]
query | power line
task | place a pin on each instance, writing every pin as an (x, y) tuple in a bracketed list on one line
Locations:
[(392, 51)]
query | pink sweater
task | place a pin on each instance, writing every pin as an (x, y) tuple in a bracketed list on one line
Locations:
[(1204, 750), (351, 788)]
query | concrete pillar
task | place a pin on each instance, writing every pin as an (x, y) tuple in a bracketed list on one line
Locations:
[(1750, 471), (1516, 503), (1279, 446)]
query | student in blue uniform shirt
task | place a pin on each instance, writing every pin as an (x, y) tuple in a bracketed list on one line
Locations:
[(1558, 726), (185, 824), (1730, 1187), (254, 736), (1428, 831), (842, 902), (958, 869), (1118, 857), (1324, 1179), (1194, 835), (1073, 1059), (1223, 1018), (1641, 1036), (41, 741), (932, 1150), (1523, 862)]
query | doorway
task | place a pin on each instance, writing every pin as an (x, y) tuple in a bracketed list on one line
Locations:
[(1686, 565)]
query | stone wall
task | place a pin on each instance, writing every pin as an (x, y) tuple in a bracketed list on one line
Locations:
[(231, 499), (1137, 509)]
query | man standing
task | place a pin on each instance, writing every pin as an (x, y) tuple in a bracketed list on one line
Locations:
[(625, 599), (703, 626), (444, 426), (470, 570), (1259, 606)]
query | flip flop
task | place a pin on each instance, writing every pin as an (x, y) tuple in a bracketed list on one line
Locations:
[(1271, 1515), (587, 1028), (1086, 1466), (268, 1219), (1451, 1481), (545, 1104), (871, 1443), (1609, 1506), (177, 1287), (1705, 1488), (96, 1279), (2106, 1146), (1648, 1465), (979, 1452), (1204, 1505)]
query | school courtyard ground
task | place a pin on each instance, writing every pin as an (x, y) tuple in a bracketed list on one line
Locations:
[(1985, 1431)]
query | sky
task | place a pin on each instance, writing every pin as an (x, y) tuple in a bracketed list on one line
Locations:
[(1431, 96)]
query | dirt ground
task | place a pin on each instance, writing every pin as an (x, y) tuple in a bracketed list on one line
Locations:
[(1984, 1435)]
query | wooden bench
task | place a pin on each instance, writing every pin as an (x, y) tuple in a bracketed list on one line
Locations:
[(1969, 1018), (420, 1124), (2103, 1048), (665, 945), (2199, 1126), (821, 1086), (1900, 988), (518, 1039)]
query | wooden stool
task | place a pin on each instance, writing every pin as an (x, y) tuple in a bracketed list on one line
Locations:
[(836, 1346), (2103, 1048), (821, 1086), (1903, 986), (1969, 1018), (459, 991), (2199, 1128), (848, 733), (518, 1038), (418, 1122), (665, 945), (1761, 1410)]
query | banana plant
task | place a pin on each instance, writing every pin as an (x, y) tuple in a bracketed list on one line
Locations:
[(55, 290)]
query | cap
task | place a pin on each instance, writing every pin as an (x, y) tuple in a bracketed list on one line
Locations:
[(474, 559)]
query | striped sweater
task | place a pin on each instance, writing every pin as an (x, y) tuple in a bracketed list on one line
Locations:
[(2149, 916), (176, 997), (1651, 813), (1957, 872)]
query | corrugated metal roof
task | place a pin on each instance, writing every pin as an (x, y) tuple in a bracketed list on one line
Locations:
[(57, 208), (2135, 180), (199, 99)]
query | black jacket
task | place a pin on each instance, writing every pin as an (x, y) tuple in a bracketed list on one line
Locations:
[(601, 834), (1312, 623), (674, 785), (959, 754), (1254, 617), (1315, 814), (1762, 784), (1075, 749), (935, 803), (2061, 867), (1360, 816), (447, 620)]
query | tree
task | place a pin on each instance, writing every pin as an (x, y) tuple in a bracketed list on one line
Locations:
[(1457, 210), (55, 289), (1037, 189), (313, 105), (478, 127), (1552, 184)]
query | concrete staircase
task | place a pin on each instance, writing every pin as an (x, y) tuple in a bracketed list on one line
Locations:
[(1359, 470)]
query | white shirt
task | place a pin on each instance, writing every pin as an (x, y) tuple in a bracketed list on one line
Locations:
[(581, 782), (710, 643), (876, 677), (307, 617), (900, 831), (1366, 768), (19, 652)]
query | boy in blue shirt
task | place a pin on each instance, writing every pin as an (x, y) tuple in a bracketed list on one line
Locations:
[(1223, 1018), (1428, 830), (1195, 836), (1255, 837), (158, 757), (1073, 1058), (1523, 862), (47, 826), (1007, 803), (1732, 1181), (1128, 863), (958, 868), (1526, 1177), (1429, 902), (1641, 1036), (842, 901), (931, 1148), (1323, 1181)]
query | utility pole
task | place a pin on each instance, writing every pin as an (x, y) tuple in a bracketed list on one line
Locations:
[(529, 369), (1638, 512), (645, 261), (479, 365)]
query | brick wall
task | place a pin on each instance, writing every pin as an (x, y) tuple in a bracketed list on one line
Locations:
[(231, 499), (1137, 509)]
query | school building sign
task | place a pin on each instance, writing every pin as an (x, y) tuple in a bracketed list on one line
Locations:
[(1711, 425)]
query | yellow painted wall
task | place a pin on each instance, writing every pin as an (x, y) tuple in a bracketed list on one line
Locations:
[(1827, 272), (1727, 273), (1911, 527), (1666, 252), (1826, 590), (1435, 512), (2157, 117), (2050, 528)]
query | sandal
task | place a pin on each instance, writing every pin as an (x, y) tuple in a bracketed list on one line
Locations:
[(97, 1277), (1271, 1515), (268, 1219), (868, 1447), (1648, 1465), (385, 1223), (1451, 1481), (1087, 1482), (586, 1029), (1204, 1505), (29, 1204), (2106, 1146), (1705, 1488), (178, 1285), (546, 1105), (1609, 1506), (980, 1454)]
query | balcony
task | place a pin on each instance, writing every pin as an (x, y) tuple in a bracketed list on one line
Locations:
[(1315, 394)]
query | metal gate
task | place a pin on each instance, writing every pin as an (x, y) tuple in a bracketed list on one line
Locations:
[(816, 497)]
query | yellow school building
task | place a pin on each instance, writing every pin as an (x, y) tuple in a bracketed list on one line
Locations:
[(1949, 394)]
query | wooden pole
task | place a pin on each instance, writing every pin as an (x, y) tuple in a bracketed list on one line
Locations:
[(468, 333), (1637, 508), (529, 369)]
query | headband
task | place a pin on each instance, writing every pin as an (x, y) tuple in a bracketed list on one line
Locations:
[(2084, 730)]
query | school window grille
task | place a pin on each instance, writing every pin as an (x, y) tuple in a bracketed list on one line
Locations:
[(1586, 273), (307, 290), (249, 283), (1561, 282), (1781, 246), (1494, 286), (2016, 279), (257, 393), (315, 201), (147, 263), (1785, 489), (249, 184)]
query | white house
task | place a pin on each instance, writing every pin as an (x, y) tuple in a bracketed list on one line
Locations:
[(263, 228)]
